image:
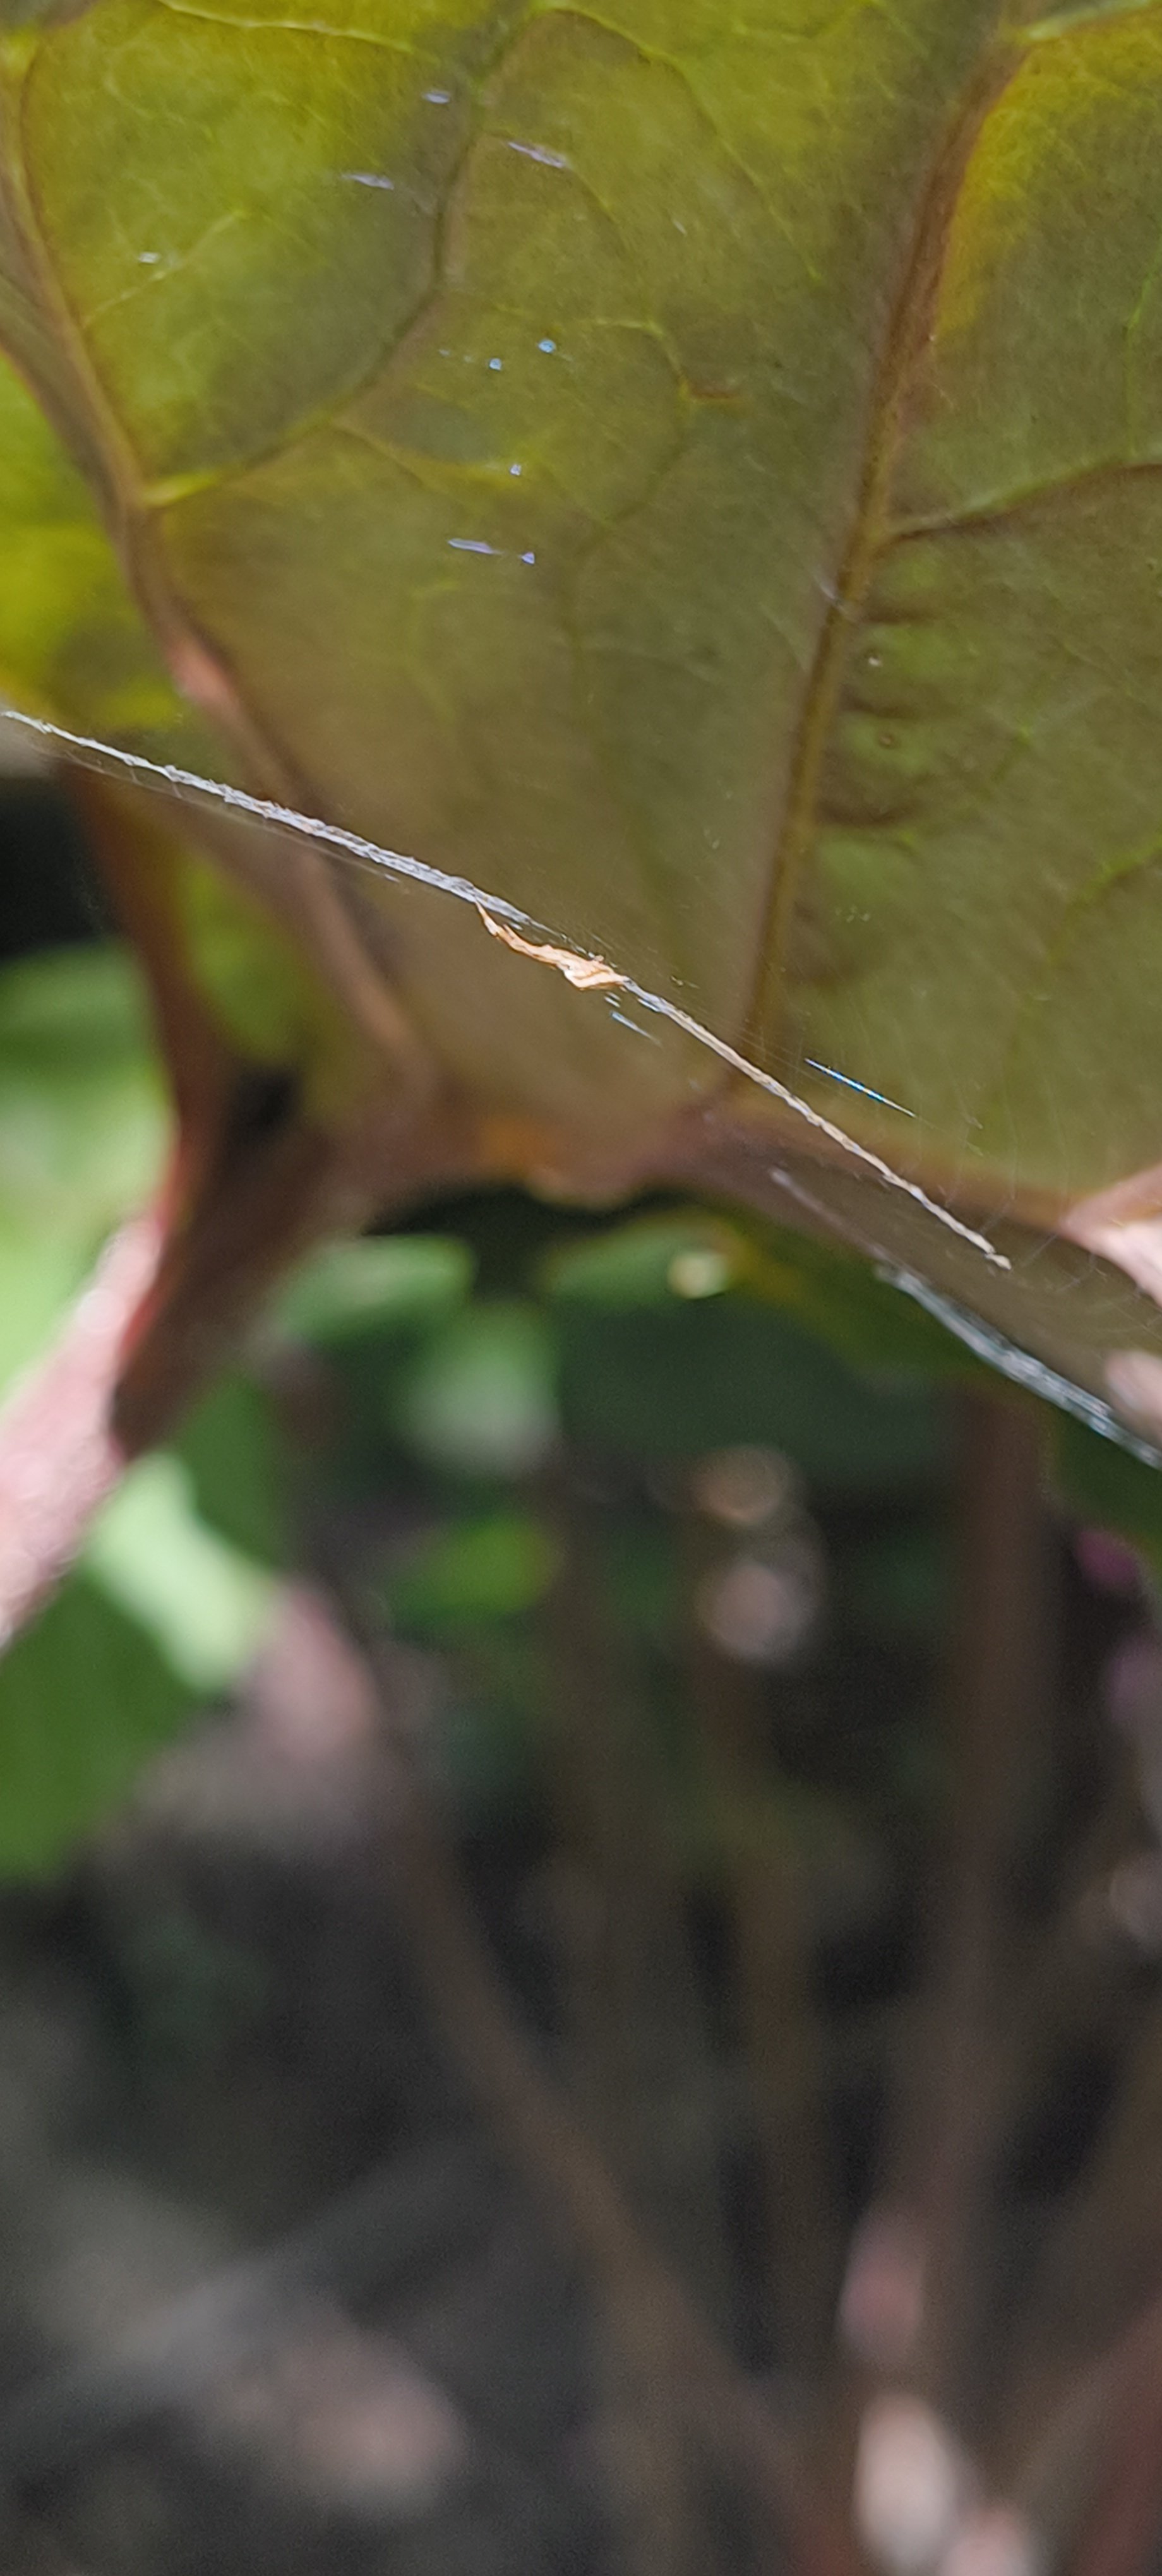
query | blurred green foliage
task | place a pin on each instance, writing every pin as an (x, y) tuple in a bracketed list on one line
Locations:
[(85, 1695), (434, 1380), (82, 1129), (494, 1566)]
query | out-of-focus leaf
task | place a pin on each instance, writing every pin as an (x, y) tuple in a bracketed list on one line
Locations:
[(161, 1613), (683, 1332), (207, 1606), (650, 1260), (666, 1384), (901, 1580), (691, 475), (481, 1399), (1101, 1483), (694, 1253), (82, 1117), (82, 1130), (858, 1313), (85, 1696), (351, 1290), (234, 1451), (477, 1571)]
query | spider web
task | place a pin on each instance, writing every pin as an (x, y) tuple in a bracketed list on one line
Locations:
[(587, 971)]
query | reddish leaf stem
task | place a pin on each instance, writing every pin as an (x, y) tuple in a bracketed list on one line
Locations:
[(59, 1456)]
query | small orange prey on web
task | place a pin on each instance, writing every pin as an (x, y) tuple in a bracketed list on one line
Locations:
[(588, 973)]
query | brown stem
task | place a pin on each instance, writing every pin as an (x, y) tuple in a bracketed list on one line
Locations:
[(1107, 2243), (720, 2406), (1058, 2482), (639, 2025), (944, 2166), (662, 2531), (778, 2023), (1074, 1987), (639, 2060), (1122, 2533), (781, 2035)]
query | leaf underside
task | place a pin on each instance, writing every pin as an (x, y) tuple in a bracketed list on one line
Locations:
[(692, 472)]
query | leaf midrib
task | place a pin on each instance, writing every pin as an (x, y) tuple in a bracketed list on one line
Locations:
[(997, 61)]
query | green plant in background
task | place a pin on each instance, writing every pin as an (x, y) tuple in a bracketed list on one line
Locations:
[(466, 1359)]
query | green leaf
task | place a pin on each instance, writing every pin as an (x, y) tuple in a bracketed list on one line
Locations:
[(351, 1290), (161, 1614), (1100, 1483), (494, 1567), (671, 1386), (313, 290), (682, 1333), (481, 1398), (981, 869), (82, 1130), (206, 1605), (82, 1118), (692, 1253), (690, 473), (235, 1454), (71, 634), (647, 1262), (85, 1696)]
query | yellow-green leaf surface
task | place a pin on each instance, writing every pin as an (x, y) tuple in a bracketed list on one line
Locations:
[(691, 471)]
